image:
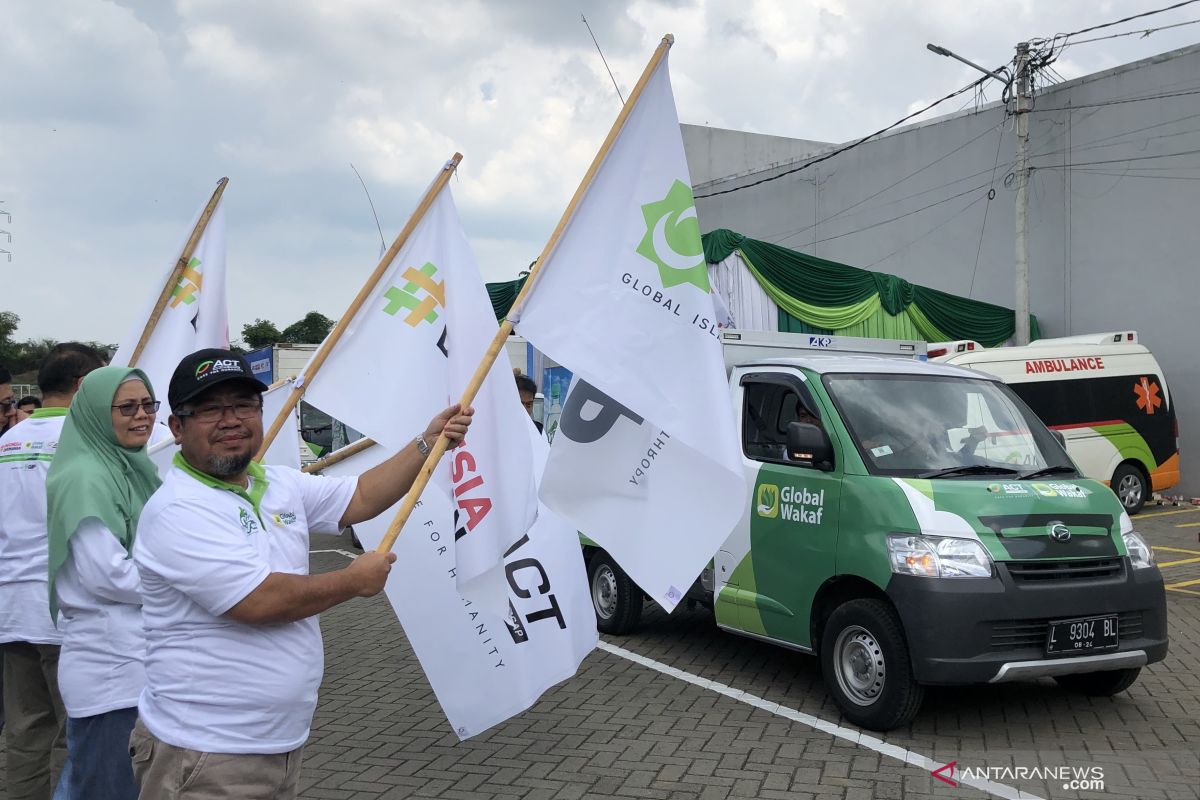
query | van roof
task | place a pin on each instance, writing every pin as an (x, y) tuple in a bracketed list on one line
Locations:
[(833, 364), (1059, 349)]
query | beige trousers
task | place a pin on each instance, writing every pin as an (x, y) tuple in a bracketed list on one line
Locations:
[(166, 772)]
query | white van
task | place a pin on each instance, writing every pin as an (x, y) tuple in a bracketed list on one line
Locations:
[(1104, 392)]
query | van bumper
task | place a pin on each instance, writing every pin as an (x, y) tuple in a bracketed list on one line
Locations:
[(981, 630)]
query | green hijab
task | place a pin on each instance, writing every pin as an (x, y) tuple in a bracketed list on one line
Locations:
[(94, 476)]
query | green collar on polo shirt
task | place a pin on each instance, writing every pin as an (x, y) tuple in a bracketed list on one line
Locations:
[(258, 482), (46, 413)]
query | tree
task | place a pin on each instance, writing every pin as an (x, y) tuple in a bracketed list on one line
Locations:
[(311, 330), (261, 333), (9, 349)]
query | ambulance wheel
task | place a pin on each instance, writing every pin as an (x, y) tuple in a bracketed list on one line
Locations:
[(1100, 684), (865, 663), (616, 598), (1131, 487)]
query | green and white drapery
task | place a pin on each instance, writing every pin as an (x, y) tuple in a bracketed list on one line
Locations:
[(768, 287)]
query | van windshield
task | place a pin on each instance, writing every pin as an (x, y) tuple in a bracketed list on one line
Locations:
[(943, 426)]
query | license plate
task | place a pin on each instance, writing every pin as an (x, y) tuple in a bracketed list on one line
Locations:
[(1084, 635)]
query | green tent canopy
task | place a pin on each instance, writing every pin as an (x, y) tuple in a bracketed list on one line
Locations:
[(819, 296), (825, 297)]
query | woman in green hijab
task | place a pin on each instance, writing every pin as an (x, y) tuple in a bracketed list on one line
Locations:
[(99, 481)]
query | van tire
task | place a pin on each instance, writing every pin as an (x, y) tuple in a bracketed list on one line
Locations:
[(616, 599), (1131, 487), (1100, 684), (866, 665)]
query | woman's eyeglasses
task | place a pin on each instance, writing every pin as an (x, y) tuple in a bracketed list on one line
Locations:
[(130, 408)]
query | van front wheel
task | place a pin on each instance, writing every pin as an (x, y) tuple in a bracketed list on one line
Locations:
[(865, 662), (615, 597), (1131, 487)]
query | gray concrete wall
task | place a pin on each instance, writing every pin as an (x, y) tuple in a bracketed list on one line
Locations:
[(715, 153), (1114, 211)]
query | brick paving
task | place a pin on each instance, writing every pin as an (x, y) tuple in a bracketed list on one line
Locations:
[(619, 729)]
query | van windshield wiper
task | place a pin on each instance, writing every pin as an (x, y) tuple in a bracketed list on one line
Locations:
[(1057, 469), (969, 469)]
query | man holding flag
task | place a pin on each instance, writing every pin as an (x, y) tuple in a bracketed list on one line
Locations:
[(234, 654)]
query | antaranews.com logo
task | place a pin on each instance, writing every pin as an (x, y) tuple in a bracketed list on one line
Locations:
[(1070, 778)]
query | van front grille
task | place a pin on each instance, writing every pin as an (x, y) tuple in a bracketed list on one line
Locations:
[(1073, 570)]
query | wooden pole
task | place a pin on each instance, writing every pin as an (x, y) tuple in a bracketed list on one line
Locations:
[(177, 273), (439, 447), (338, 455), (342, 324)]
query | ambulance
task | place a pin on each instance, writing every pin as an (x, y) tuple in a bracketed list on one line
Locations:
[(1104, 392), (913, 524)]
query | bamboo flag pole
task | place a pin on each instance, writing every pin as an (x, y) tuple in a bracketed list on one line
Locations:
[(489, 358), (342, 324), (337, 456), (177, 273)]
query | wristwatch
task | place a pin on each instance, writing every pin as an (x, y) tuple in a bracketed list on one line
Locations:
[(422, 445)]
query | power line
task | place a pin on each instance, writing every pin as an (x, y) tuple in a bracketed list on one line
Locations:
[(1058, 36), (1163, 96), (853, 145), (983, 226), (898, 217), (931, 231), (1144, 33), (896, 183), (1118, 160)]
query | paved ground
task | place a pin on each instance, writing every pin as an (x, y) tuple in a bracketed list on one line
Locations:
[(624, 729)]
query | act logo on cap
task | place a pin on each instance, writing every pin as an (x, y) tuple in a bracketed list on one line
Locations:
[(206, 368)]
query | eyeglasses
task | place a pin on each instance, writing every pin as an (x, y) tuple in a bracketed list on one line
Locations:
[(215, 412), (130, 408)]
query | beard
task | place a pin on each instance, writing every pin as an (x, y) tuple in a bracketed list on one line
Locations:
[(228, 466)]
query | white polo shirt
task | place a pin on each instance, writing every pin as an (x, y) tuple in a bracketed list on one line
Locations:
[(26, 451), (214, 684)]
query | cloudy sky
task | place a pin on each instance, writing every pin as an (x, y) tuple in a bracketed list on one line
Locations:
[(117, 119)]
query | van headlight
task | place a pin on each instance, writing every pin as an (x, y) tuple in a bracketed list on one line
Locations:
[(1140, 554), (938, 557)]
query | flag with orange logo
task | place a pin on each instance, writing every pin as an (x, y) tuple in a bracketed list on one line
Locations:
[(195, 316), (410, 351)]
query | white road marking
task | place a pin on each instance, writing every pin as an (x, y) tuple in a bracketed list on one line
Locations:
[(848, 734)]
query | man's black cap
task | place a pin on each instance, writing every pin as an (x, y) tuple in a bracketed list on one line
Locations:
[(204, 369)]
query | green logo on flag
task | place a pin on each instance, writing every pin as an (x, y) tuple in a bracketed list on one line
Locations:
[(189, 284), (420, 308), (672, 239)]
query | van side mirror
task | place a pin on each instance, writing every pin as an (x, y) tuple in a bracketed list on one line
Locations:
[(1061, 438), (808, 444)]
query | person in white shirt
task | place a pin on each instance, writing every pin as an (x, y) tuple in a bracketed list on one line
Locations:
[(100, 480), (35, 721), (234, 655)]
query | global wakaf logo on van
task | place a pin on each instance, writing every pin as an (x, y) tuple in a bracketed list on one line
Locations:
[(768, 501)]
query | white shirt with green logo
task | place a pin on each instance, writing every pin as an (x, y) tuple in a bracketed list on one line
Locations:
[(214, 684), (26, 451)]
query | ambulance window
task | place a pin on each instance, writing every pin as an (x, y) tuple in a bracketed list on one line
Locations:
[(768, 409)]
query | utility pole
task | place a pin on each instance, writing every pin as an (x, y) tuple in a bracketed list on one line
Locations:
[(1024, 87), (1021, 307)]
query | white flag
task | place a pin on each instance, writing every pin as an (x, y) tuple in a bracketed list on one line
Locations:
[(411, 351), (194, 318), (485, 667), (646, 461), (285, 449)]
